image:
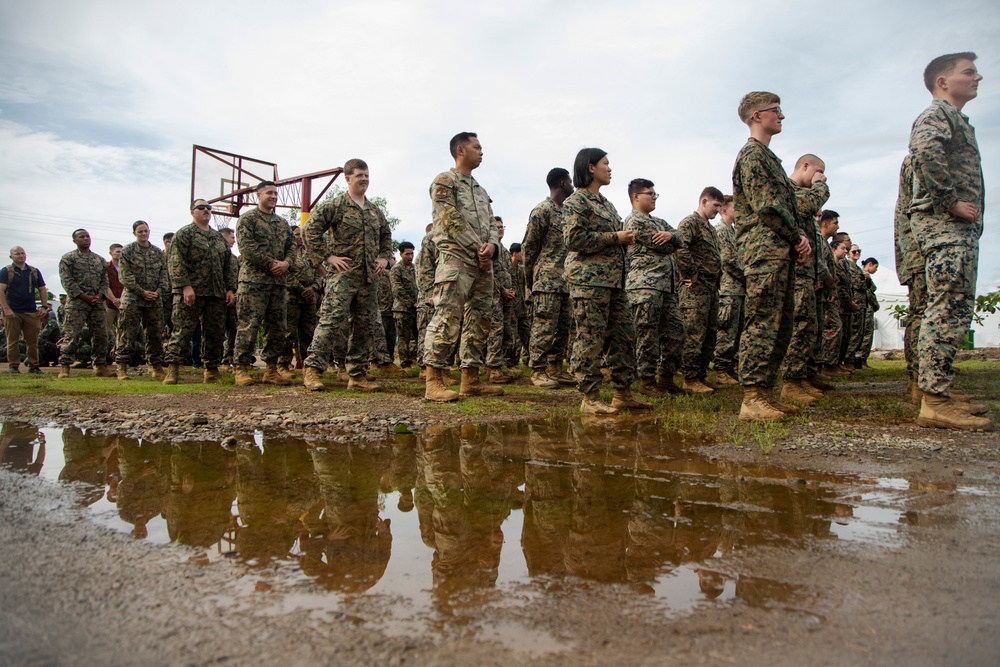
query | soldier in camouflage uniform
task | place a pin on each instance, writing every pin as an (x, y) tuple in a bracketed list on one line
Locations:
[(231, 320), (522, 315), (424, 269), (404, 304), (651, 285), (358, 248), (870, 267), (837, 310), (910, 272), (771, 242), (800, 363), (48, 350), (859, 295), (595, 271), (168, 303), (84, 276), (384, 348), (303, 288), (732, 293), (946, 217), (267, 247), (501, 337), (142, 268), (827, 306), (544, 270), (465, 237), (847, 308), (203, 278), (700, 264)]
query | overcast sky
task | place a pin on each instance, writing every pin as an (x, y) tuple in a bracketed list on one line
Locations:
[(100, 102)]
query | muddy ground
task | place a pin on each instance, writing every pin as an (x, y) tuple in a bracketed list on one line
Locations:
[(925, 590)]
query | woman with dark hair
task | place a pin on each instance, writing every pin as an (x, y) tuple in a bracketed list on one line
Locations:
[(595, 270), (143, 271)]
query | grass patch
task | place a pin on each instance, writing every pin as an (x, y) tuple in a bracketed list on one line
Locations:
[(84, 384)]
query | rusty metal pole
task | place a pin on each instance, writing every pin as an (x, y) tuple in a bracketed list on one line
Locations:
[(306, 200)]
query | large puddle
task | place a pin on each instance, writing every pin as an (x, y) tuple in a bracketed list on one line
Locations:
[(446, 520)]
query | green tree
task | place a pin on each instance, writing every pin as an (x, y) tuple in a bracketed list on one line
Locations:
[(380, 202)]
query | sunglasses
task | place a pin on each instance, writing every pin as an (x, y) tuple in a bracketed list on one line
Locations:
[(204, 207)]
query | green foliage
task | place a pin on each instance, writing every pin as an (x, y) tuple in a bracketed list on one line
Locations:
[(986, 304), (899, 311)]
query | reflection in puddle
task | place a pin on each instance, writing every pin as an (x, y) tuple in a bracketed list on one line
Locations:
[(455, 519)]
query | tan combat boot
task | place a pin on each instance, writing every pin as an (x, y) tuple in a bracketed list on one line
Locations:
[(241, 376), (342, 375), (793, 390), (102, 371), (171, 375), (592, 405), (389, 369), (312, 379), (768, 394), (157, 373), (668, 386), (285, 371), (436, 389), (964, 403), (498, 376), (361, 383), (423, 373), (624, 400), (697, 387), (272, 376), (942, 412), (555, 371), (725, 378), (756, 407), (811, 389), (541, 379), (647, 387), (913, 389), (122, 373), (63, 371), (472, 386), (211, 376)]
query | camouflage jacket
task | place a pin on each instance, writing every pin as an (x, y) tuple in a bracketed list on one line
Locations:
[(845, 293), (702, 258), (426, 265), (859, 285), (809, 201), (651, 266), (517, 277), (909, 261), (544, 249), (303, 277), (501, 270), (590, 231), (463, 218), (263, 238), (732, 282), (83, 273), (360, 234), (767, 221), (143, 269), (404, 287), (201, 258), (829, 263), (872, 299), (383, 285), (947, 169)]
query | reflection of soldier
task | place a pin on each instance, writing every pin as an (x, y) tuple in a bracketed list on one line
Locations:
[(349, 544), (403, 471), (17, 447), (142, 490), (199, 502), (90, 459)]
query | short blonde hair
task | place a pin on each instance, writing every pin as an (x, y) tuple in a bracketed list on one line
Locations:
[(756, 101)]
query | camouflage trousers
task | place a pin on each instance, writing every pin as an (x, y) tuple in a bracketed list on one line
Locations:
[(348, 319), (549, 338), (833, 332), (210, 312), (84, 323), (501, 338), (257, 304), (768, 326), (950, 273), (914, 317), (424, 314), (130, 320), (847, 326), (462, 313), (859, 319), (700, 312), (868, 338), (230, 341), (802, 346), (406, 330), (659, 332), (300, 319), (384, 339), (727, 343), (522, 337), (605, 335)]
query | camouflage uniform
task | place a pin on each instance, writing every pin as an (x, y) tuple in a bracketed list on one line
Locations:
[(859, 295), (231, 320), (544, 252), (522, 317), (301, 314), (702, 262), (199, 258), (141, 269), (463, 221), (48, 353), (84, 273), (800, 363), (350, 300), (404, 310), (652, 284), (767, 230), (909, 269), (869, 333), (827, 302), (838, 316), (947, 169), (732, 292), (847, 311), (595, 271), (425, 265), (501, 338), (384, 349), (262, 238)]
